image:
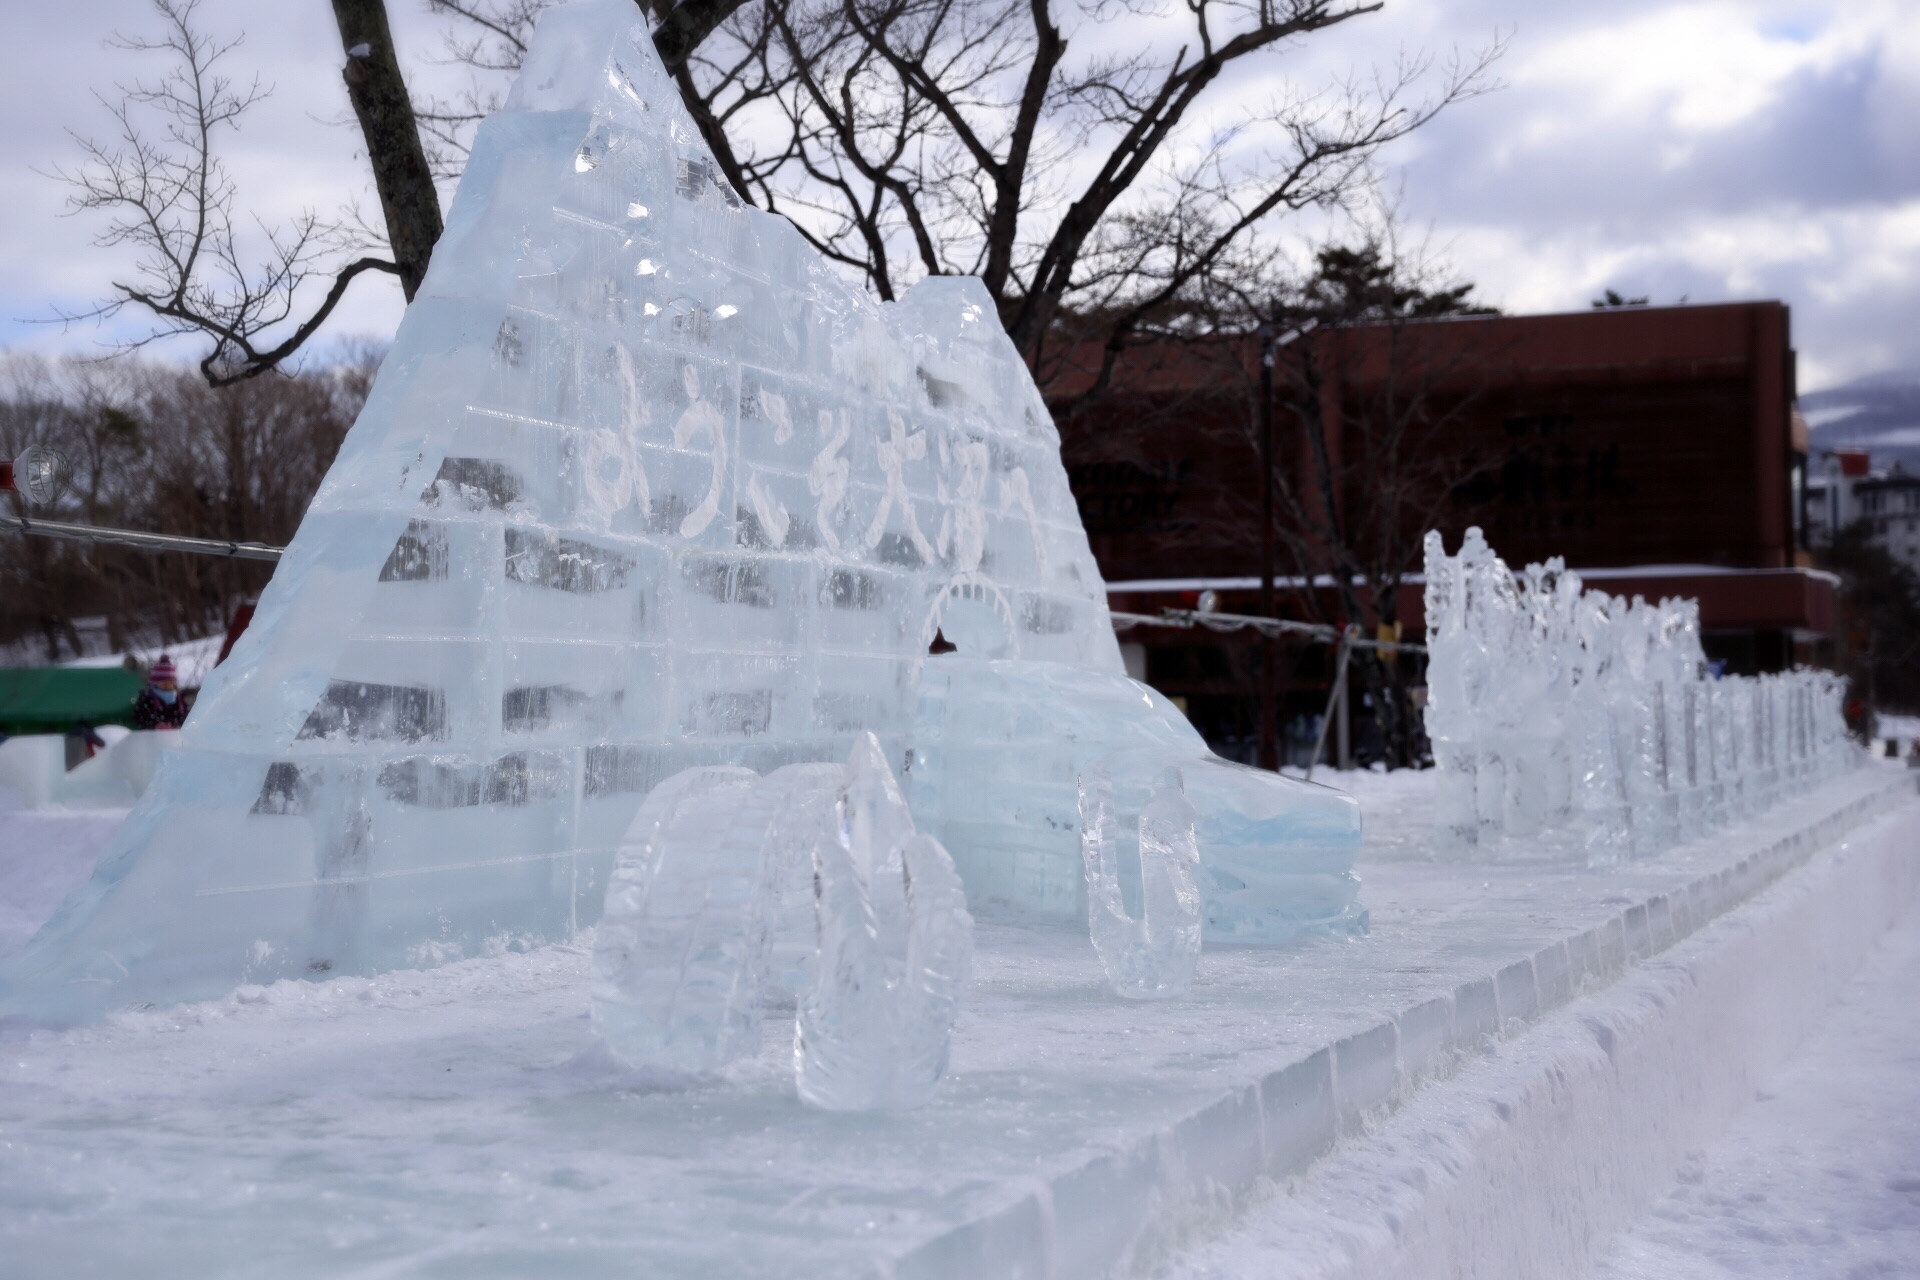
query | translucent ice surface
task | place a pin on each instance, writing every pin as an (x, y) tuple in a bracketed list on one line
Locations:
[(682, 945), (643, 486), (999, 749), (896, 948), (1554, 709), (1148, 954)]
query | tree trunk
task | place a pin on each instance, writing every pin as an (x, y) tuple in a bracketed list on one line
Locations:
[(378, 92)]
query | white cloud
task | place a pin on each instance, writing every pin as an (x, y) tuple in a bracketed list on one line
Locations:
[(1705, 149), (1697, 67), (1711, 148)]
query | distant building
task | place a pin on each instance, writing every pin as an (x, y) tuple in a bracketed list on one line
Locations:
[(1846, 489), (1656, 449)]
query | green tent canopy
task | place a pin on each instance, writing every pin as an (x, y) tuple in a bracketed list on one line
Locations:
[(55, 699)]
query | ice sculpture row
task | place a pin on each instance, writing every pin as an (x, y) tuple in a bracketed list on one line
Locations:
[(644, 486), (1561, 716), (735, 893)]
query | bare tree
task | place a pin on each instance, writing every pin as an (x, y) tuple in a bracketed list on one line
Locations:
[(963, 136), (150, 446), (166, 195), (1366, 463), (908, 138), (904, 137), (408, 201)]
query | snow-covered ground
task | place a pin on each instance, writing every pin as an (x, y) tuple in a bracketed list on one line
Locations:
[(461, 1120), (1820, 1179)]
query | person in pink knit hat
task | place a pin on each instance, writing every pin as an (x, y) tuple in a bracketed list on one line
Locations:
[(159, 706)]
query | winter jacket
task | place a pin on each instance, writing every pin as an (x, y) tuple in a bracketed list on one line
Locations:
[(149, 712)]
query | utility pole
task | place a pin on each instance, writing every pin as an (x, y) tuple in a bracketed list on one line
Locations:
[(1269, 645)]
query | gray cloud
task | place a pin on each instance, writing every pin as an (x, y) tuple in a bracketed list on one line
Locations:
[(1558, 187), (1703, 148)]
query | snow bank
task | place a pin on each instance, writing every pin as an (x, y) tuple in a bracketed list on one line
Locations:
[(1527, 1162)]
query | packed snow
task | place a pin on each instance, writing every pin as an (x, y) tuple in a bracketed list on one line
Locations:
[(1820, 1180), (1531, 1158), (466, 1117)]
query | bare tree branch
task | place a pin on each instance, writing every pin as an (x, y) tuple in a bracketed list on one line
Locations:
[(167, 197)]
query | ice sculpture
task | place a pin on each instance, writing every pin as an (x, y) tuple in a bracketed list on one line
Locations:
[(686, 942), (1150, 957), (642, 486), (896, 947), (695, 920), (999, 748), (1558, 711)]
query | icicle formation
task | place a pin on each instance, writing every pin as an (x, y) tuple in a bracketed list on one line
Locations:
[(734, 893), (1559, 711), (896, 946), (1150, 958)]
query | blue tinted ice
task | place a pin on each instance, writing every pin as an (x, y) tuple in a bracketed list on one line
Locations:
[(643, 486), (1000, 747)]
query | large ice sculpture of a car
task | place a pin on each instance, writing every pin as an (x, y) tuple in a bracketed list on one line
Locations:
[(642, 486)]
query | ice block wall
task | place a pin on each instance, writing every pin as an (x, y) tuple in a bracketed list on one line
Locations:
[(1563, 715)]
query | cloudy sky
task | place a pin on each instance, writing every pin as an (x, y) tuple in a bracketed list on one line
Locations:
[(1673, 148)]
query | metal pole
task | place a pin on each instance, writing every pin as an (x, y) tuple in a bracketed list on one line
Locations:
[(1345, 713), (1338, 698), (145, 541), (1269, 650)]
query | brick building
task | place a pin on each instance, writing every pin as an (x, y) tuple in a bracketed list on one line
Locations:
[(1656, 449)]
